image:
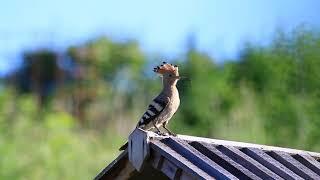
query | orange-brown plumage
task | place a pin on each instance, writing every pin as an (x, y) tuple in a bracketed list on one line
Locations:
[(167, 68)]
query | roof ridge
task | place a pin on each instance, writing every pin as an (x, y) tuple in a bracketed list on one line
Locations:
[(243, 144)]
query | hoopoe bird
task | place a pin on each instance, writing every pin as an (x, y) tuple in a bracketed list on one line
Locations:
[(164, 106)]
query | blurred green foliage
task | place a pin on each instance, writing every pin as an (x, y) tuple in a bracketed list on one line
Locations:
[(63, 116), (52, 149)]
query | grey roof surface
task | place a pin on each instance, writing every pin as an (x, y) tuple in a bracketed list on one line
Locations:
[(187, 157)]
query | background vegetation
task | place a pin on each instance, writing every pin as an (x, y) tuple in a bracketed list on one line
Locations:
[(63, 115)]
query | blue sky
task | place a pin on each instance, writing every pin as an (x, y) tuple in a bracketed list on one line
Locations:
[(220, 26)]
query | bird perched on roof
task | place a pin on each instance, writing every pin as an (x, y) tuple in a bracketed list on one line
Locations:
[(164, 106)]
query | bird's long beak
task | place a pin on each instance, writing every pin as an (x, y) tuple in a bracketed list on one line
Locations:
[(181, 77)]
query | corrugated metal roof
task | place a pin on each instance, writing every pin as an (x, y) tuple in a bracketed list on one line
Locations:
[(187, 157)]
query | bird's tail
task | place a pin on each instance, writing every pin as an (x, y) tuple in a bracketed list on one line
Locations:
[(124, 147)]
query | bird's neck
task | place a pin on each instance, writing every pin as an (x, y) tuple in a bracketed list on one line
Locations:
[(170, 88)]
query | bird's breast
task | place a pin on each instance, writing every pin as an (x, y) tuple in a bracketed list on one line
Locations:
[(174, 103), (171, 108)]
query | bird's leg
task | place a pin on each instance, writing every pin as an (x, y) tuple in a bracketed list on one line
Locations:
[(158, 130), (164, 126)]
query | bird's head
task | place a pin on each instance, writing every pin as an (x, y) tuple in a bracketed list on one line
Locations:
[(169, 72), (166, 70)]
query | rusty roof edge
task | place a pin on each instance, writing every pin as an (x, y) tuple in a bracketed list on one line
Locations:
[(242, 144)]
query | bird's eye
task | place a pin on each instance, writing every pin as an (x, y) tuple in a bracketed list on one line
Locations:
[(170, 75)]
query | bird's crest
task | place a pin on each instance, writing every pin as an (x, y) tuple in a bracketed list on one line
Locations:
[(165, 68)]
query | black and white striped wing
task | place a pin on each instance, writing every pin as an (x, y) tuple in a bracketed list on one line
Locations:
[(154, 110)]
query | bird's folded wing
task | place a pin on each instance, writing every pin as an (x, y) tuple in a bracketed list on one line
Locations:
[(154, 110)]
